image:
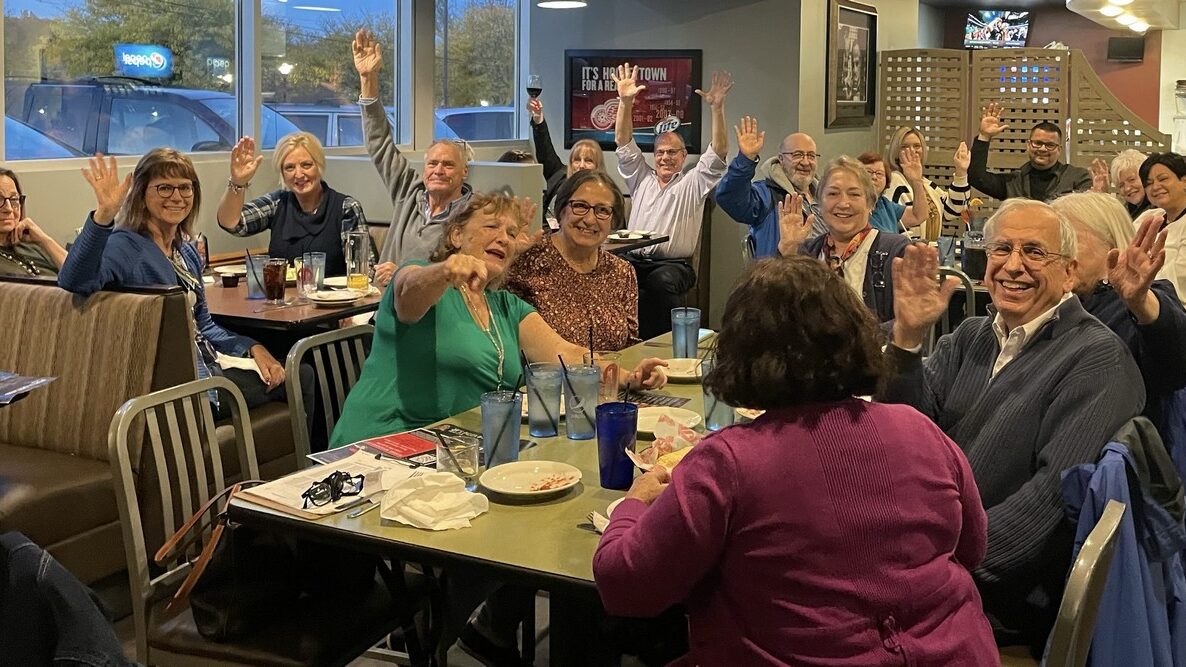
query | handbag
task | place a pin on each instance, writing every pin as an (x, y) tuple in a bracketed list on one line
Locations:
[(243, 578)]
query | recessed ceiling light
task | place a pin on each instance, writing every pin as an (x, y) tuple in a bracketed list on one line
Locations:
[(1139, 26), (1120, 3), (1111, 10), (1126, 19), (561, 4)]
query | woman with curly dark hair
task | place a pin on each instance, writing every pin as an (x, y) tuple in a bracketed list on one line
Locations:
[(828, 531)]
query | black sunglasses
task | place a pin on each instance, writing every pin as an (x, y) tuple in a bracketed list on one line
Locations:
[(332, 488)]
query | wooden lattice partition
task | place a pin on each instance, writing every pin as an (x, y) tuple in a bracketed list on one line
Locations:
[(926, 89), (1099, 125), (1033, 85)]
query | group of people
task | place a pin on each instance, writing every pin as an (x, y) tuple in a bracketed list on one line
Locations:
[(831, 529)]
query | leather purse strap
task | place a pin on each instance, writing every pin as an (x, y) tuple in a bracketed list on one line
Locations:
[(166, 551)]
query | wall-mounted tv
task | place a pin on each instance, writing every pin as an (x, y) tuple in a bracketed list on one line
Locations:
[(996, 29)]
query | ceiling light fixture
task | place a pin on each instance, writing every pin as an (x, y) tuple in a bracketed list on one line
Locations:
[(1120, 3), (1111, 10), (1126, 19), (561, 4), (1139, 26), (314, 8)]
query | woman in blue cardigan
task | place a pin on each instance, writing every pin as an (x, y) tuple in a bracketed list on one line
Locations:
[(136, 237)]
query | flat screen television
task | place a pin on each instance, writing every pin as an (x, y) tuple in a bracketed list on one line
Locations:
[(996, 29)]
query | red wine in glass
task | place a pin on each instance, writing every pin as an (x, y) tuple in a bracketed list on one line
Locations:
[(535, 85)]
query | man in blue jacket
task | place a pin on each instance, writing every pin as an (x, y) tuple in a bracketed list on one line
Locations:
[(756, 204)]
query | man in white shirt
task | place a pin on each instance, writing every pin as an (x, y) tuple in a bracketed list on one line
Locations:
[(667, 201)]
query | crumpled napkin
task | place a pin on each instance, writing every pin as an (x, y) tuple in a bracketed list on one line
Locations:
[(436, 501), (669, 437)]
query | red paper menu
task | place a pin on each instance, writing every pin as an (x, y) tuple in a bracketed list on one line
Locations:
[(400, 445)]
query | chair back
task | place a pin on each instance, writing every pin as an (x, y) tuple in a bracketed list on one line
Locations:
[(179, 437), (337, 363), (1070, 641), (969, 305)]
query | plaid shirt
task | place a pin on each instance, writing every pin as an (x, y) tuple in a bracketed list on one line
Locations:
[(257, 215)]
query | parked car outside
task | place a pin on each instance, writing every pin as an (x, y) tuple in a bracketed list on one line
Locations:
[(475, 123), (22, 142)]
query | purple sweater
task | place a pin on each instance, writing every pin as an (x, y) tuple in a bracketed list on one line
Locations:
[(832, 534)]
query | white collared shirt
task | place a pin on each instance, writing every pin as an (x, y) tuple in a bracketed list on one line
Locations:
[(1013, 342)]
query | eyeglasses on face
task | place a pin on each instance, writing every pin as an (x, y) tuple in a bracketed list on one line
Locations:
[(801, 155), (13, 202), (665, 152), (581, 208), (1043, 145), (332, 488), (875, 173), (166, 190), (1031, 253)]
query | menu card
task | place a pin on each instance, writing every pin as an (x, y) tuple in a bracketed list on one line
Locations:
[(13, 386), (413, 448)]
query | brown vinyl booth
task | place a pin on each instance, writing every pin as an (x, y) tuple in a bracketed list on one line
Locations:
[(55, 480)]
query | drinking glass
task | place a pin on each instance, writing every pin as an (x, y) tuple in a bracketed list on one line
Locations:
[(717, 415), (255, 276), (611, 369), (543, 400), (617, 428), (580, 399), (535, 85), (311, 276), (500, 426), (358, 260), (275, 272), (685, 332), (464, 459)]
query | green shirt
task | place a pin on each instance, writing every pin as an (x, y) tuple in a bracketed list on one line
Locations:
[(28, 253), (417, 374)]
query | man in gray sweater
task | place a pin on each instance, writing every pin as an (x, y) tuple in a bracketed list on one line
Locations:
[(1035, 388), (421, 205)]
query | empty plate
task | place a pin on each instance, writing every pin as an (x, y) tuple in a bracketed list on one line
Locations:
[(648, 418), (531, 478), (683, 370)]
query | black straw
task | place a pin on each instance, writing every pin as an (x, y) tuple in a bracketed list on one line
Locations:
[(451, 456), (576, 400), (251, 266), (554, 422)]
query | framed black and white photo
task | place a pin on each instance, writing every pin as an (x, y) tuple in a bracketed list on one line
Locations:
[(852, 61)]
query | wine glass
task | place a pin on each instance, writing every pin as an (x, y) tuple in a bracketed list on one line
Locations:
[(535, 85)]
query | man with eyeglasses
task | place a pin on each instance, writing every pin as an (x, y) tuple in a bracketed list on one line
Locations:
[(665, 200), (755, 203), (422, 205), (1042, 178), (1035, 388)]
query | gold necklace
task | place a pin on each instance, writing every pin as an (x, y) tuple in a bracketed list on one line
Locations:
[(495, 337)]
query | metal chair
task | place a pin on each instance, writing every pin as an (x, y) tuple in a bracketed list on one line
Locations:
[(182, 466), (337, 363), (944, 324)]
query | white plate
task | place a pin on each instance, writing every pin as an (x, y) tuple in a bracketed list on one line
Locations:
[(609, 511), (630, 235), (648, 418), (683, 370), (748, 414), (231, 269), (339, 283), (525, 478), (523, 409)]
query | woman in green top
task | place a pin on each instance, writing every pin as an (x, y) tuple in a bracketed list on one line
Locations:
[(25, 250), (445, 333)]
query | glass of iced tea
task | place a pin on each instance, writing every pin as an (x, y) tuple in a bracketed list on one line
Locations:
[(275, 271)]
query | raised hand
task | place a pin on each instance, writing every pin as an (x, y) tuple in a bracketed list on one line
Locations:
[(990, 121), (110, 191), (536, 108), (749, 139), (368, 59), (525, 238), (919, 298), (718, 91), (962, 159), (627, 82), (911, 165), (792, 228), (463, 271), (244, 161), (1100, 179), (1132, 270)]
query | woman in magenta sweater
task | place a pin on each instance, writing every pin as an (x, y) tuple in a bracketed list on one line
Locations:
[(830, 531)]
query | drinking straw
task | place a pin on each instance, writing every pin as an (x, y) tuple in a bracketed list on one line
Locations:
[(505, 423), (592, 359), (450, 453), (552, 421), (251, 266), (576, 400)]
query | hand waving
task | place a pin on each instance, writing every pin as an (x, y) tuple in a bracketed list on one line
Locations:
[(525, 238), (1131, 270), (627, 81), (368, 59), (721, 83), (1100, 179), (110, 191), (244, 161), (919, 298), (962, 159), (911, 165), (792, 228), (990, 121), (749, 139)]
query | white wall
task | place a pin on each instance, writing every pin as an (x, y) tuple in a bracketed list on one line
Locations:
[(930, 27), (755, 40), (1173, 67)]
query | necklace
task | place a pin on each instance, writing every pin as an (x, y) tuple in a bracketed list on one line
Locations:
[(25, 264), (490, 328)]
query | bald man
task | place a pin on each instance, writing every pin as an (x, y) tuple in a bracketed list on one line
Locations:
[(755, 203)]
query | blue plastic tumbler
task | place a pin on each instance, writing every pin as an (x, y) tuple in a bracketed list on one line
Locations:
[(717, 414), (255, 276), (500, 426), (617, 427), (580, 401), (543, 400), (685, 332)]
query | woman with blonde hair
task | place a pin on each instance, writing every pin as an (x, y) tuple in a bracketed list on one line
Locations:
[(1125, 173), (136, 237), (304, 215), (585, 154), (946, 205)]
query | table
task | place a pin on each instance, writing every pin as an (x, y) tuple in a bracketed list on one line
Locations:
[(537, 545), (231, 307), (623, 247)]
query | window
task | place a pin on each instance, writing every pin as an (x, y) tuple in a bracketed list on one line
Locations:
[(350, 130), (475, 69), (308, 73), (69, 78)]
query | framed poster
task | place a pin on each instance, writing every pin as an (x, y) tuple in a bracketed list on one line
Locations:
[(852, 65), (669, 102)]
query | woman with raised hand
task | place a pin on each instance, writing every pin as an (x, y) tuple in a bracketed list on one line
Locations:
[(304, 215), (136, 237), (946, 204), (585, 154)]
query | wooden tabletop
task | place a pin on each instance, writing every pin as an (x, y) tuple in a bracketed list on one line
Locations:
[(623, 247), (230, 306)]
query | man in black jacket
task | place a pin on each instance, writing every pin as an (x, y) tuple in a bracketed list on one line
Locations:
[(1042, 178)]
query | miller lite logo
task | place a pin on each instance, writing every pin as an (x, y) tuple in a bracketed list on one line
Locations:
[(668, 124)]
